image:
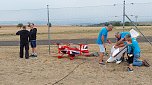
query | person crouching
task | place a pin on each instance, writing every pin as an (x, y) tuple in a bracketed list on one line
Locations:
[(134, 46)]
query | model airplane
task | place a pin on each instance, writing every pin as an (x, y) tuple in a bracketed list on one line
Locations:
[(82, 50)]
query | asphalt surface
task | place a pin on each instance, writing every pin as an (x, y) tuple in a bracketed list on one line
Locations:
[(74, 41)]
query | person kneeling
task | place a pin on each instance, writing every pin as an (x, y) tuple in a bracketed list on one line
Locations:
[(134, 46)]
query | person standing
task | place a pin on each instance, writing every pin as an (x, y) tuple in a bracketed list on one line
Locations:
[(33, 33), (24, 42), (101, 40)]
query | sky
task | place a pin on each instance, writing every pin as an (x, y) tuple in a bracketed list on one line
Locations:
[(35, 4), (66, 11)]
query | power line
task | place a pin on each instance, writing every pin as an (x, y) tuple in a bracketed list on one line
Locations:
[(88, 18), (25, 9), (80, 6), (141, 3), (102, 5), (84, 6)]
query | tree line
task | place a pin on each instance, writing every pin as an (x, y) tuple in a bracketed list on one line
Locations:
[(115, 23)]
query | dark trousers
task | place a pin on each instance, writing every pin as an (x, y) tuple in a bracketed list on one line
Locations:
[(26, 45), (130, 59)]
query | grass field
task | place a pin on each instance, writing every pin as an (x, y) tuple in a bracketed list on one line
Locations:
[(66, 32), (47, 69)]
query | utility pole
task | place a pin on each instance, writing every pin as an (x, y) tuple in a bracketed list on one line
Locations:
[(136, 20), (124, 15), (48, 24)]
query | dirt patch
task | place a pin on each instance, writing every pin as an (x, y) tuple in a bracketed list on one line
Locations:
[(47, 69)]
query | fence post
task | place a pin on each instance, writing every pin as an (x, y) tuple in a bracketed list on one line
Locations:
[(48, 24)]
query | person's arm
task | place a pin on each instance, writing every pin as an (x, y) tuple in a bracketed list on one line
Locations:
[(18, 33), (117, 40), (29, 36), (102, 39), (109, 41), (34, 31), (120, 43)]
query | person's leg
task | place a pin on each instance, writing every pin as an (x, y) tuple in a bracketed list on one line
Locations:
[(21, 50), (101, 54), (27, 51), (136, 61), (130, 68), (33, 46), (31, 42), (35, 53), (130, 61)]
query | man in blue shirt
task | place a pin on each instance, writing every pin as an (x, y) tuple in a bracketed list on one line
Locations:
[(134, 46), (121, 35), (101, 40)]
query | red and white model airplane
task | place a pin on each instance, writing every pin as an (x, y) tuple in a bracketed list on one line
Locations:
[(73, 51)]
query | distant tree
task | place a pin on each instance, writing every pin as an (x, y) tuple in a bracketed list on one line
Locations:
[(116, 23), (127, 24), (0, 26), (20, 25), (106, 23)]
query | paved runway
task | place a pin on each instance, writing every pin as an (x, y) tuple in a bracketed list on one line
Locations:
[(75, 41)]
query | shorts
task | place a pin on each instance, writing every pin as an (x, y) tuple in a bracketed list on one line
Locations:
[(33, 43), (102, 49)]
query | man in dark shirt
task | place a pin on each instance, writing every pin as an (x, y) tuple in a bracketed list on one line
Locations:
[(33, 33), (24, 42)]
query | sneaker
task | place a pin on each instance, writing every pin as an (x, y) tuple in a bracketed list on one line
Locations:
[(102, 63), (21, 57), (118, 62), (26, 57), (145, 63), (35, 56), (31, 55), (130, 70)]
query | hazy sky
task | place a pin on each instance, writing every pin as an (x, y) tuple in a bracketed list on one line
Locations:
[(84, 11), (34, 4)]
